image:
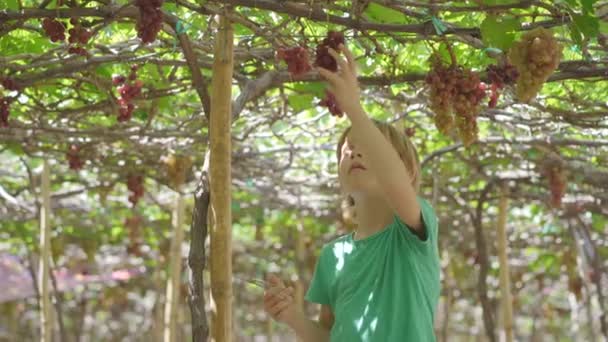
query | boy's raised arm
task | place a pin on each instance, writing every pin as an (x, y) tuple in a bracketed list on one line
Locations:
[(384, 162)]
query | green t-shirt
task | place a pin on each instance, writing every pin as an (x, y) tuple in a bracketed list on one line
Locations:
[(381, 288)]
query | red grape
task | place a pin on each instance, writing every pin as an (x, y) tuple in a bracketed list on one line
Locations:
[(330, 102), (136, 186), (296, 59), (150, 19), (54, 29), (5, 104), (73, 157), (10, 84), (323, 58)]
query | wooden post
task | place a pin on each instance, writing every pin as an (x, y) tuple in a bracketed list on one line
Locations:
[(46, 319), (220, 181), (505, 283), (175, 269)]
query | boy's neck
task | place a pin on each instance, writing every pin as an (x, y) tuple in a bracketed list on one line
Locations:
[(372, 215)]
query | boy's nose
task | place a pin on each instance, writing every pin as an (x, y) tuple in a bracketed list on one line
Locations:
[(352, 155)]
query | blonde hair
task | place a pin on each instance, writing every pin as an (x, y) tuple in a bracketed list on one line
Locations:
[(402, 145)]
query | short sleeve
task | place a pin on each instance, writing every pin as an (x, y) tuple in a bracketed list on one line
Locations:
[(429, 219), (318, 291)]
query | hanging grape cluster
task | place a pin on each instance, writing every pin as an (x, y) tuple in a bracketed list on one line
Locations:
[(296, 59), (500, 76), (135, 184), (557, 181), (79, 36), (324, 60), (74, 159), (536, 56), (455, 96), (5, 101), (330, 102), (128, 90), (54, 28), (150, 19), (5, 104), (177, 169)]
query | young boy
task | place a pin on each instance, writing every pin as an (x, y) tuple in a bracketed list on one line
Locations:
[(381, 282)]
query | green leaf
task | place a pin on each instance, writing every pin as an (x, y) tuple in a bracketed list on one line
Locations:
[(300, 102), (381, 14), (12, 5), (315, 88), (499, 32), (588, 25), (588, 6)]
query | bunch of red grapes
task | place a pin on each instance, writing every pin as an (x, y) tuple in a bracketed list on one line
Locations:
[(79, 35), (500, 76), (455, 96), (128, 91), (135, 183), (324, 60), (296, 59), (5, 101), (73, 156), (54, 29), (5, 104), (558, 181), (150, 19)]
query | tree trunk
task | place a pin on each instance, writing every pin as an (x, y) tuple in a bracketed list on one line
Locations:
[(196, 257), (221, 233), (46, 318), (175, 270), (505, 281)]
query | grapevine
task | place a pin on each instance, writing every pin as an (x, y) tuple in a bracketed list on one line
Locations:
[(455, 96), (136, 186), (73, 156), (296, 59), (150, 19), (536, 56), (128, 90)]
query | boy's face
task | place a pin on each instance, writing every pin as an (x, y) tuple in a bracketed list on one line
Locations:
[(353, 171)]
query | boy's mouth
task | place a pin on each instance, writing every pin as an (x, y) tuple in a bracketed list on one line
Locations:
[(355, 166)]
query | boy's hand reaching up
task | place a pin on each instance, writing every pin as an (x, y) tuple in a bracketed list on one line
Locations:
[(343, 83), (278, 300)]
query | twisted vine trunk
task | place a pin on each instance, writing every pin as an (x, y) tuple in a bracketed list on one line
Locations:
[(197, 257)]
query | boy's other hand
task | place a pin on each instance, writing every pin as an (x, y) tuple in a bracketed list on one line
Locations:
[(279, 300), (343, 83)]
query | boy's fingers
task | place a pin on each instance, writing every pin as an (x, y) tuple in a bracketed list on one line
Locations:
[(279, 307), (341, 62), (274, 280), (332, 77), (350, 58)]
